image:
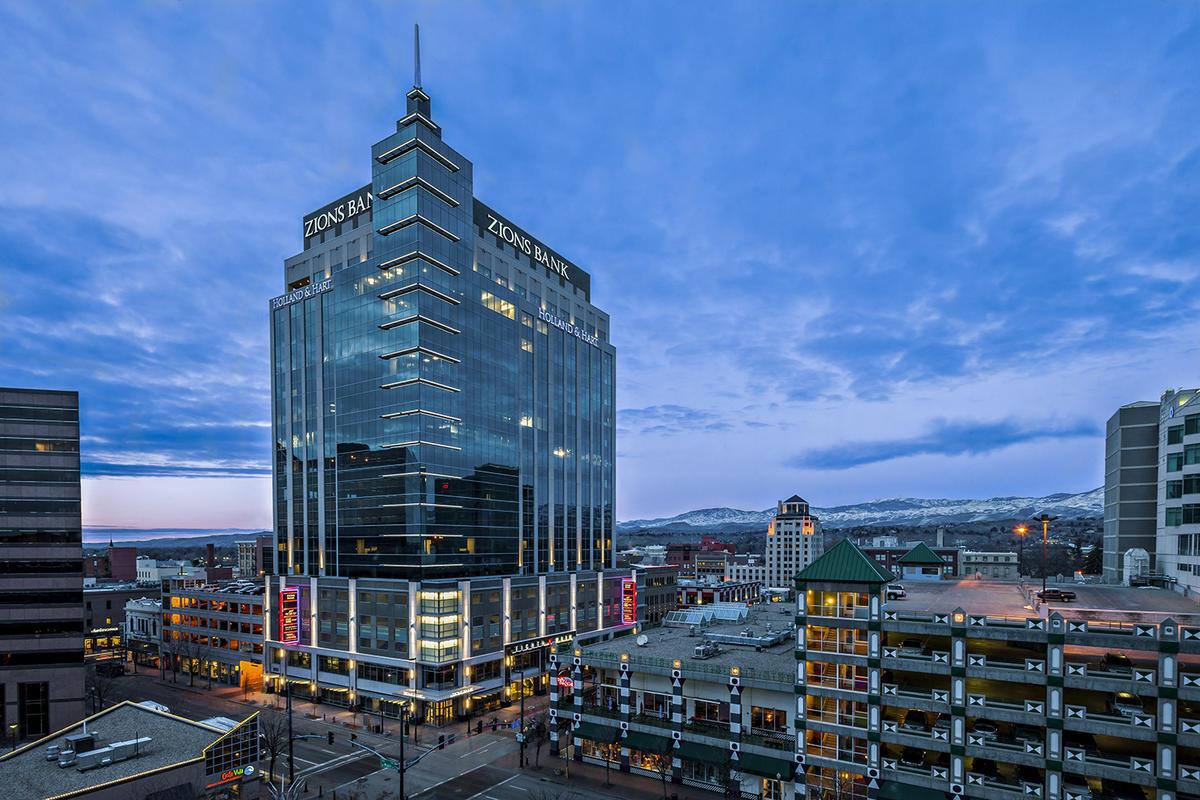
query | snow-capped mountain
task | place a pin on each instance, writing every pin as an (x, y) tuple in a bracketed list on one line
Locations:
[(897, 511)]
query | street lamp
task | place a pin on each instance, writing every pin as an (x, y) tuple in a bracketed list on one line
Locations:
[(13, 727), (1045, 519), (521, 677), (1020, 532)]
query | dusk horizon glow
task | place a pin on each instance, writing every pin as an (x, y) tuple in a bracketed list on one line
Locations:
[(851, 251)]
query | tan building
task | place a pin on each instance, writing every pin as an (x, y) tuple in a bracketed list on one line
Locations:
[(985, 565)]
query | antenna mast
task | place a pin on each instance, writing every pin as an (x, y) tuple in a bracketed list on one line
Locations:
[(416, 55)]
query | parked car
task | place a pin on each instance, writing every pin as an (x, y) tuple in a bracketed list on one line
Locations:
[(913, 757), (915, 720), (1061, 595), (942, 722), (912, 647), (985, 767), (153, 706), (985, 728), (1027, 733), (1077, 785), (1125, 704), (1117, 663), (895, 591), (1028, 774)]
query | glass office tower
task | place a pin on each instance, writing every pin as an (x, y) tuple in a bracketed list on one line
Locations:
[(443, 387)]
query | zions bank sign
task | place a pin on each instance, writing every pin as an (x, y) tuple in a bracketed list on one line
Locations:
[(491, 223), (336, 213)]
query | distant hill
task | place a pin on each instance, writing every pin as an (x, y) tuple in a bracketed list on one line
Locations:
[(893, 511), (169, 537)]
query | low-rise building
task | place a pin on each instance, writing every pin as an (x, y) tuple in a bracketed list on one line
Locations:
[(143, 630), (960, 689), (1000, 566), (214, 631), (132, 751), (104, 619), (888, 552), (706, 592), (150, 570), (451, 648)]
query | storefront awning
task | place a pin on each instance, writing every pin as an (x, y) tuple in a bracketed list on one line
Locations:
[(702, 752), (647, 742), (764, 766), (597, 733)]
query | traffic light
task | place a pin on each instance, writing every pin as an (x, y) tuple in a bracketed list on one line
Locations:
[(441, 741), (353, 737), (331, 737)]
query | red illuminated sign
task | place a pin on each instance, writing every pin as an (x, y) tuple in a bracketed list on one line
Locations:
[(566, 682), (628, 601), (289, 615)]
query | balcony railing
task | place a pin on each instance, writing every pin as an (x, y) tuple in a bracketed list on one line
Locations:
[(708, 727), (768, 738), (602, 711)]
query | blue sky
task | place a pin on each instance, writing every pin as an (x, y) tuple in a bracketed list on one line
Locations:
[(853, 250)]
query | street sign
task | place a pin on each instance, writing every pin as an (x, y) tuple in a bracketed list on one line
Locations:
[(387, 763), (515, 725)]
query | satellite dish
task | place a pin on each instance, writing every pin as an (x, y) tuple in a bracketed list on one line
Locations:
[(642, 640)]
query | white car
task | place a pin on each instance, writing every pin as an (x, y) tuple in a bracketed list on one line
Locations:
[(153, 706), (895, 591)]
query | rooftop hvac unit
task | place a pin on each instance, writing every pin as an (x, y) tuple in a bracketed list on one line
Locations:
[(706, 650)]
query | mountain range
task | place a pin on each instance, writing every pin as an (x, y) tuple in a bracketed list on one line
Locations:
[(893, 511)]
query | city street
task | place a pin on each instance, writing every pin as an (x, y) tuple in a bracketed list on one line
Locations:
[(479, 767)]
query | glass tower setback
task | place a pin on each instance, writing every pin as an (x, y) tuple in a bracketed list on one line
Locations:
[(443, 388)]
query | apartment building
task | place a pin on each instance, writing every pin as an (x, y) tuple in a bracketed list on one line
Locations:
[(214, 631), (962, 689)]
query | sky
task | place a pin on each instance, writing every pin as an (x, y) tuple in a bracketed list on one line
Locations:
[(850, 249)]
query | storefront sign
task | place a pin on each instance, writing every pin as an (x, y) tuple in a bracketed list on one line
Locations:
[(562, 324), (343, 210), (289, 615), (303, 293), (537, 644), (491, 222), (230, 775), (566, 682), (628, 600)]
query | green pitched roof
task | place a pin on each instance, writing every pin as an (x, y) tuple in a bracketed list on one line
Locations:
[(845, 563), (921, 555)]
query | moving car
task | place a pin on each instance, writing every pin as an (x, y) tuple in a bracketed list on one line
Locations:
[(1062, 595), (1125, 704)]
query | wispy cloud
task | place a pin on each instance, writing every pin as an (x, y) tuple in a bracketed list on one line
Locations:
[(944, 438)]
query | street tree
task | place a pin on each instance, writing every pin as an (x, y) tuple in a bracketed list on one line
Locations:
[(273, 733)]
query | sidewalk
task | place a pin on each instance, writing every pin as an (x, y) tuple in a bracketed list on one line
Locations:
[(426, 734), (588, 780)]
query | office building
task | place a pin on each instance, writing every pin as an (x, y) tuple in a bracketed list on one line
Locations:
[(443, 429), (1130, 486), (1178, 542), (116, 563), (131, 751), (990, 565), (255, 556), (794, 539), (214, 631), (443, 385), (41, 566), (959, 690)]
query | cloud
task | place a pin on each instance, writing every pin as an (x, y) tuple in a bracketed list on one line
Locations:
[(944, 438)]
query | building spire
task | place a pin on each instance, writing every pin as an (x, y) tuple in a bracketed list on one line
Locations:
[(416, 55)]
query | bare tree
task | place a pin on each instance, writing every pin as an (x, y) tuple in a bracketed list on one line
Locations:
[(98, 685), (189, 652), (273, 733), (539, 739), (662, 765)]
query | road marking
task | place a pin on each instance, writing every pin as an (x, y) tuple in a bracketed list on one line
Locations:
[(481, 749), (492, 787), (366, 777), (452, 777)]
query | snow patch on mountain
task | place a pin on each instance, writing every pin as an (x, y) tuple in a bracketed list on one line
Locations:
[(898, 511)]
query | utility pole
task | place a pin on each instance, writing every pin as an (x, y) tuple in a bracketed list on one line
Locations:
[(287, 686)]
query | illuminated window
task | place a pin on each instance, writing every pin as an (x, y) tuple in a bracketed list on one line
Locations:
[(502, 307)]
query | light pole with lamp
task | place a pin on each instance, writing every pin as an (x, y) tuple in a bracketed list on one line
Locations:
[(521, 673), (13, 727), (1045, 519), (1020, 531)]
